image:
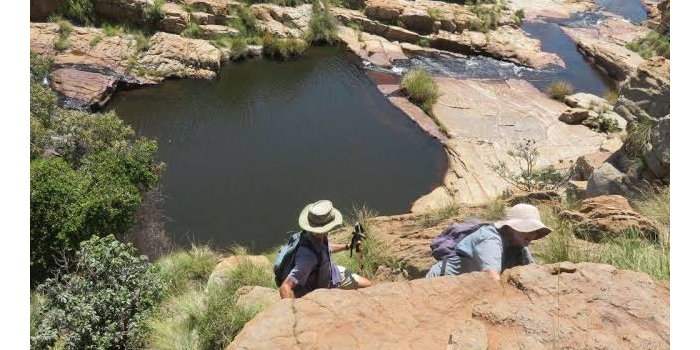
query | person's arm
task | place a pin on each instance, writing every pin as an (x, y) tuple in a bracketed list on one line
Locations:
[(304, 263), (338, 247), (489, 252), (287, 288)]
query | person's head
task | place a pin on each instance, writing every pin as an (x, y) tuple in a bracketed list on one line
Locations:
[(522, 225), (320, 217)]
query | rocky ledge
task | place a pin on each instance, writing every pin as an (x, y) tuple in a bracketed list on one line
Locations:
[(568, 306)]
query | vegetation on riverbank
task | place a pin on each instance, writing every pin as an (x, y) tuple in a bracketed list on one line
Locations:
[(88, 174), (653, 44), (323, 27), (560, 89), (630, 251)]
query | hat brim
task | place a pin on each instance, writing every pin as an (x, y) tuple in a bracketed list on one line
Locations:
[(525, 226), (306, 225)]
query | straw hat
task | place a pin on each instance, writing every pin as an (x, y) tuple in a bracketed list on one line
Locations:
[(524, 218), (320, 217)]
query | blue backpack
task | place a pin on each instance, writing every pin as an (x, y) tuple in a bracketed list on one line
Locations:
[(285, 256), (444, 244)]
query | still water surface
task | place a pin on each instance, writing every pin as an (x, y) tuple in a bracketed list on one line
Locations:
[(246, 152)]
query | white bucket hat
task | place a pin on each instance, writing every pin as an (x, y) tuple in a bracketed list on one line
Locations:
[(524, 218), (320, 217)]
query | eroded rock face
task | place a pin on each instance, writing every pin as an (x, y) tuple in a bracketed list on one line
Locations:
[(608, 180), (39, 10), (373, 48), (81, 89), (535, 9), (609, 215), (575, 306), (215, 7), (448, 33), (280, 21), (175, 18), (171, 55), (614, 59)]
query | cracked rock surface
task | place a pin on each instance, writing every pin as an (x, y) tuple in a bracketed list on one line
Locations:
[(570, 306)]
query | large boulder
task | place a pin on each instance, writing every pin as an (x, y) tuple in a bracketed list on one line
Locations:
[(608, 180), (609, 216), (171, 55), (646, 95), (281, 21), (215, 7), (612, 58), (657, 158), (82, 89), (567, 306), (256, 297), (175, 18)]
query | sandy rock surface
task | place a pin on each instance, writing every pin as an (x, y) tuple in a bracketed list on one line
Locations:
[(575, 306)]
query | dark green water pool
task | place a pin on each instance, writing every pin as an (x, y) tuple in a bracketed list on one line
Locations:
[(246, 152)]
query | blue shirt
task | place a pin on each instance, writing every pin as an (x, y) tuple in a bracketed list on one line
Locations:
[(482, 250), (308, 274)]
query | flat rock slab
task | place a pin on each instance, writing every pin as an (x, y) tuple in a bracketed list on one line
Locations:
[(551, 8), (567, 306), (486, 119), (82, 89)]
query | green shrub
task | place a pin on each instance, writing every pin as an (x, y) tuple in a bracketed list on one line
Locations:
[(96, 40), (420, 88), (653, 44), (56, 214), (36, 301), (39, 67), (439, 215), (323, 27), (42, 103), (192, 30), (141, 42), (187, 269), (488, 17), (424, 42), (519, 16), (237, 45), (244, 21), (560, 89), (64, 30), (153, 12), (81, 11), (100, 301), (112, 29), (528, 177), (283, 49), (638, 137)]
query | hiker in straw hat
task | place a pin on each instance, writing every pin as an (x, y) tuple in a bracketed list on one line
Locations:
[(311, 266), (493, 247)]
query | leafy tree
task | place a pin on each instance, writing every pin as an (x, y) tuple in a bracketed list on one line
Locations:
[(101, 302)]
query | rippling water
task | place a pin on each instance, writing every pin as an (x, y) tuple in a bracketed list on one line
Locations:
[(246, 152)]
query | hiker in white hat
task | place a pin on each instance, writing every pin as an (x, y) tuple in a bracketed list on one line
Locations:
[(490, 247), (305, 263)]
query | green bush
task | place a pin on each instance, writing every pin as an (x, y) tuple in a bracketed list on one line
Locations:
[(237, 45), (638, 137), (560, 89), (528, 177), (653, 44), (100, 301), (421, 89), (153, 12), (323, 27), (488, 17), (112, 29), (283, 49), (64, 30), (192, 30), (244, 21), (519, 16), (81, 11)]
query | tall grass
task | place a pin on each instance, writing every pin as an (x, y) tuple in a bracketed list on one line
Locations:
[(373, 252), (421, 89), (197, 319), (65, 28), (560, 89), (323, 27), (627, 251), (438, 215), (638, 137), (283, 49), (184, 270)]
